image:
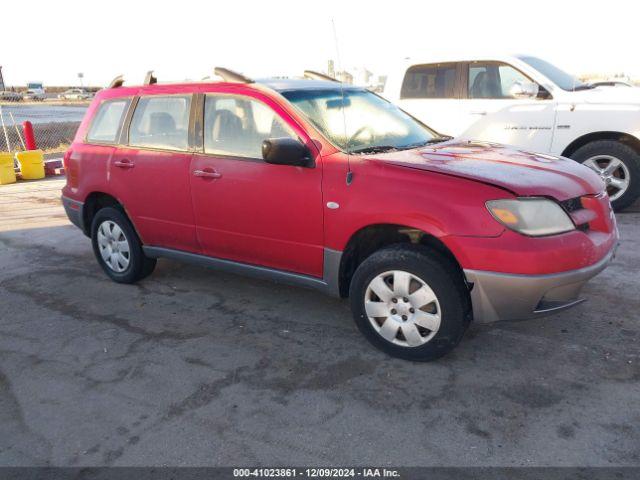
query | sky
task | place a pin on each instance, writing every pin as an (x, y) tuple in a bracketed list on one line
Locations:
[(186, 39)]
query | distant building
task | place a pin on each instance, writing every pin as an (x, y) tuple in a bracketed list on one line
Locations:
[(344, 77), (362, 77), (331, 69)]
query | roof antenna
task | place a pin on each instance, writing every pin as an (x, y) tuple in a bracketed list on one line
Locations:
[(344, 114)]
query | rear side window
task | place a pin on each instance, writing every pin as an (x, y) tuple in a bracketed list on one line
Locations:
[(161, 122), (237, 126), (430, 81), (106, 124)]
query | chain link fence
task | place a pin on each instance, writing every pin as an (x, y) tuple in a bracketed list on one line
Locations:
[(54, 126)]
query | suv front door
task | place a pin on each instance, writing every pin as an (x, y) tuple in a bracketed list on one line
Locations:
[(151, 176), (247, 210)]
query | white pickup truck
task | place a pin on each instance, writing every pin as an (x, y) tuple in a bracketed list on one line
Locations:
[(529, 103)]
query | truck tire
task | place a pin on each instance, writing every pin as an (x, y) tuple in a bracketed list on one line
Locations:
[(118, 248), (410, 302), (619, 167)]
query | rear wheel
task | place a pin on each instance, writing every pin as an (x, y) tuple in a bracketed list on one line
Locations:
[(118, 248), (618, 166), (410, 302)]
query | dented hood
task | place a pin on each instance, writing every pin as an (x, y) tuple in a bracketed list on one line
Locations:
[(523, 173)]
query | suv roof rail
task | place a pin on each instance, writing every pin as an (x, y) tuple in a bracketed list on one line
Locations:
[(313, 75), (231, 76), (116, 82), (149, 78)]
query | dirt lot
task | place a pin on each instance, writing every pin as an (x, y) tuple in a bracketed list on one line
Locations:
[(194, 367)]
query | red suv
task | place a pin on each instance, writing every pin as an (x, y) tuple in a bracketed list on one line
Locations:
[(329, 186)]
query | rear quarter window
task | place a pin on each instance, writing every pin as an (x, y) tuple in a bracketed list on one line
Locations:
[(106, 124)]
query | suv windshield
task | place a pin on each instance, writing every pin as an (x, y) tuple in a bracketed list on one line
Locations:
[(561, 78), (367, 123)]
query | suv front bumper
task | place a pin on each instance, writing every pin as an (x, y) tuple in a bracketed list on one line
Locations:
[(501, 296)]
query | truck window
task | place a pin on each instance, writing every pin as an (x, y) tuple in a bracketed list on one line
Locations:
[(492, 80), (430, 81), (106, 123)]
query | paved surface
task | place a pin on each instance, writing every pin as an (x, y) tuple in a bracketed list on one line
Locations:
[(194, 367)]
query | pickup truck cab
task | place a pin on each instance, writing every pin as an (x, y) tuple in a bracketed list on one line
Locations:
[(531, 104), (330, 186)]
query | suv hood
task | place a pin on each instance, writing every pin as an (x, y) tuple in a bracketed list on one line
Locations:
[(522, 173)]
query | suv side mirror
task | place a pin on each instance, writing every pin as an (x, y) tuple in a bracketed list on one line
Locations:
[(286, 151), (524, 90)]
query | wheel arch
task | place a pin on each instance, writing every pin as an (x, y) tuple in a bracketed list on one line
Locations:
[(625, 138), (372, 238), (94, 202)]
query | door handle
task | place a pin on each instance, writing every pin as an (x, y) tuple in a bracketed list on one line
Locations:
[(207, 173), (479, 112), (124, 163)]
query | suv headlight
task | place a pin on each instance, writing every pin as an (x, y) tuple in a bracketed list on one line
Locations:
[(535, 217)]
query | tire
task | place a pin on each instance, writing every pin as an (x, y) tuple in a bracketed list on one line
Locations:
[(111, 236), (599, 154), (442, 279)]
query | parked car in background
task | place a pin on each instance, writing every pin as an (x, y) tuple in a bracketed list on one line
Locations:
[(35, 91), (75, 94), (35, 95), (332, 187), (611, 83), (9, 96), (531, 104)]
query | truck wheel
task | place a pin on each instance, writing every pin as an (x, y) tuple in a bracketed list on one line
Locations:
[(619, 167), (410, 302), (118, 248)]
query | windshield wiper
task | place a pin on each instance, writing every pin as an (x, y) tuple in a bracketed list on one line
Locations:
[(584, 86), (375, 149), (443, 138)]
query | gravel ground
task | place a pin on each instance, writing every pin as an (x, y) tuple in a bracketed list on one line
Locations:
[(195, 367)]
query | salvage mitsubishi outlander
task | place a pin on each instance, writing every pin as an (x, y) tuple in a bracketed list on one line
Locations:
[(329, 186)]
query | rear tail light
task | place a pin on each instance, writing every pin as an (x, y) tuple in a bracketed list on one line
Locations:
[(65, 160)]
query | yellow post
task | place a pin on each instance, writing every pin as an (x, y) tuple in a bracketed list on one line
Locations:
[(7, 174), (31, 164)]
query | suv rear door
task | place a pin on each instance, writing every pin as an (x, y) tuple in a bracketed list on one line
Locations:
[(149, 173), (247, 210)]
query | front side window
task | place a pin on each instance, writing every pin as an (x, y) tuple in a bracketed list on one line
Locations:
[(106, 124), (493, 80), (237, 126), (430, 81), (161, 122), (358, 121)]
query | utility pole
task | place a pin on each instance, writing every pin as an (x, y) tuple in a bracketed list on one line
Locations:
[(1, 80)]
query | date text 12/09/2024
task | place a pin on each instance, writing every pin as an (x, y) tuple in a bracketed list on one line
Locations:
[(315, 472)]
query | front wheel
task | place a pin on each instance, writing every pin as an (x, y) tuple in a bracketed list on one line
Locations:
[(618, 166), (410, 302)]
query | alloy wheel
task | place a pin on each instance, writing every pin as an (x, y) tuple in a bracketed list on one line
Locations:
[(613, 172)]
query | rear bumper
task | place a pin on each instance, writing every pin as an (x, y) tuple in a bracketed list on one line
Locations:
[(74, 211), (498, 296)]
